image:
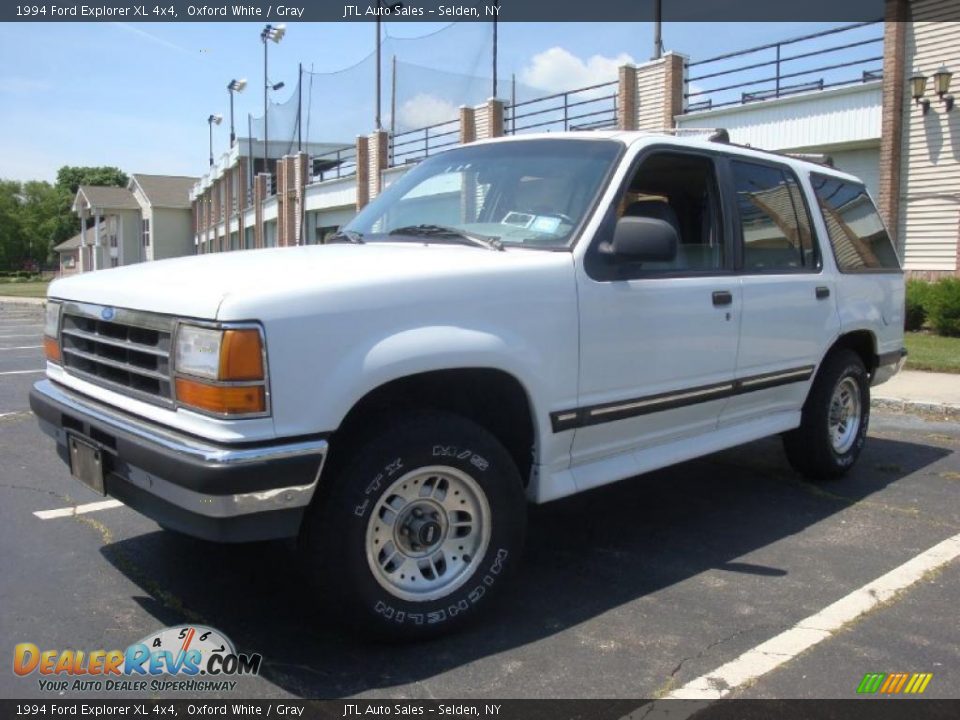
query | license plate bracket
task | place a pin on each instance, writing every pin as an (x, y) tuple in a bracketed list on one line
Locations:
[(86, 463)]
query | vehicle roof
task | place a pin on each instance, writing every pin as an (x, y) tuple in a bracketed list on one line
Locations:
[(702, 142)]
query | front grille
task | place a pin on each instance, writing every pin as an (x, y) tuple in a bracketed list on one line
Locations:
[(128, 353)]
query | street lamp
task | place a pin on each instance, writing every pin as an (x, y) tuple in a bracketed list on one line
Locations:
[(275, 34), (234, 86), (211, 121)]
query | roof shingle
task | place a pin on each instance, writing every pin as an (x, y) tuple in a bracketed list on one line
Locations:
[(108, 197), (166, 191)]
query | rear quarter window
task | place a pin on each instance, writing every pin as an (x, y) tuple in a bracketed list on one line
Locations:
[(859, 240)]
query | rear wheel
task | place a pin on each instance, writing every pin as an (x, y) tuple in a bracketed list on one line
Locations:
[(835, 418), (416, 532)]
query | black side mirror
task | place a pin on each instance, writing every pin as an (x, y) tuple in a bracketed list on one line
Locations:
[(642, 239)]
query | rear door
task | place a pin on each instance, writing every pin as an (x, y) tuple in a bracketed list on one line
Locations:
[(789, 313)]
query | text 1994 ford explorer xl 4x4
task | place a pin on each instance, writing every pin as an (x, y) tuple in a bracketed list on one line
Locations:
[(514, 320)]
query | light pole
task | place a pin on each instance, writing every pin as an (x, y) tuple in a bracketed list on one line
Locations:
[(234, 86), (211, 121), (275, 34), (391, 8)]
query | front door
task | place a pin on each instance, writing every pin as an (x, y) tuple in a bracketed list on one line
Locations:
[(658, 341)]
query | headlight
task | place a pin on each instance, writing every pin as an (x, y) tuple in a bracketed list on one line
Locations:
[(230, 363), (51, 332), (198, 351)]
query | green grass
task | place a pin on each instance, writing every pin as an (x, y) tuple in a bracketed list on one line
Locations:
[(932, 352), (24, 289)]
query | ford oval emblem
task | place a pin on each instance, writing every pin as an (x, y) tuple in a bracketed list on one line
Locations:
[(107, 313)]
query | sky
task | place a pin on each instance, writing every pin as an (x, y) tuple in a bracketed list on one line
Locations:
[(137, 96)]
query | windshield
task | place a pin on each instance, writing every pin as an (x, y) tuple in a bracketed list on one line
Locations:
[(527, 193)]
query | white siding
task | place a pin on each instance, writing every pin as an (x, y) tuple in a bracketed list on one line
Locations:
[(481, 121), (331, 193), (650, 95), (807, 121), (864, 163), (930, 157)]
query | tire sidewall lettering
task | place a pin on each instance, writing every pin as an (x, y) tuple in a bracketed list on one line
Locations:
[(451, 608)]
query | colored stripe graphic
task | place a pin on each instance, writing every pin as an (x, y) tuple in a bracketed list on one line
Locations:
[(894, 683)]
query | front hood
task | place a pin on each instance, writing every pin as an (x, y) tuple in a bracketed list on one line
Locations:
[(198, 286)]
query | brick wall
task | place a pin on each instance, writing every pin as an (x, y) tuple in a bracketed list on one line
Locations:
[(891, 122)]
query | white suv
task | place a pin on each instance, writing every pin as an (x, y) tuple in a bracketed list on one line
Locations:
[(511, 321)]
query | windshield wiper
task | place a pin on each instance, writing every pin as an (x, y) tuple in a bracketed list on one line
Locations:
[(493, 243), (351, 236)]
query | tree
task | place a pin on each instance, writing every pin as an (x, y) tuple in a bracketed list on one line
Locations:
[(36, 216), (11, 228), (70, 178), (43, 219)]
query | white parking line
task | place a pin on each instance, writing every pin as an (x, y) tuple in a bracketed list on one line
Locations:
[(820, 626), (20, 372), (78, 509)]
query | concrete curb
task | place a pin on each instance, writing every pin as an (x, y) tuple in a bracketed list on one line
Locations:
[(13, 300), (917, 407)]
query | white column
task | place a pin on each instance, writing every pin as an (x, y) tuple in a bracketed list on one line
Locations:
[(96, 241), (119, 221), (83, 241)]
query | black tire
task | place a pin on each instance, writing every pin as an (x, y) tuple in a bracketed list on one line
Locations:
[(810, 448), (334, 540)]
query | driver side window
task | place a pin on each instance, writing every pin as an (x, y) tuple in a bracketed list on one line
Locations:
[(680, 189)]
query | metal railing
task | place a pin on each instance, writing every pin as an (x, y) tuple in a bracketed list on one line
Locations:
[(787, 67), (415, 145), (336, 164), (590, 108)]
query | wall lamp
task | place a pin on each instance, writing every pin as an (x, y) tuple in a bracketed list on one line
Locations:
[(941, 85)]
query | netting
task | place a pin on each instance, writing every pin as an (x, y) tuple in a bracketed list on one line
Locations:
[(333, 108)]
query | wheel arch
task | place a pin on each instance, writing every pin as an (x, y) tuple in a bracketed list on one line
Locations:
[(863, 342), (493, 398)]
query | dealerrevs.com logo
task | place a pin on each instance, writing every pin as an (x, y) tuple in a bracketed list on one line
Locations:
[(190, 658)]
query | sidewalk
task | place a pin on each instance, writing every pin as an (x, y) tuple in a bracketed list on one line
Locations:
[(911, 390), (13, 300)]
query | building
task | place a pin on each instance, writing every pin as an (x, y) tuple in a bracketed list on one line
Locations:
[(69, 255), (147, 220), (850, 94)]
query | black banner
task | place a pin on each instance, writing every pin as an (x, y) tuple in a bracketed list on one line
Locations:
[(444, 11), (857, 709)]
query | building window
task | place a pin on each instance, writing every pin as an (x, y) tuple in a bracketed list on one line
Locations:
[(114, 262), (145, 230)]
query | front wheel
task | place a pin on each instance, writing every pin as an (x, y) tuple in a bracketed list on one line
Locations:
[(417, 531), (833, 427)]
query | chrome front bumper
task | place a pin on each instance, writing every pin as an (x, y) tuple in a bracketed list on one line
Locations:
[(219, 492)]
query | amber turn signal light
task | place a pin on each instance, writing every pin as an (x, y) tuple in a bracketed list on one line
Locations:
[(51, 348), (222, 399), (241, 355)]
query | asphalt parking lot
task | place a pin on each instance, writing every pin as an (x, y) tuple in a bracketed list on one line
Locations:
[(629, 591)]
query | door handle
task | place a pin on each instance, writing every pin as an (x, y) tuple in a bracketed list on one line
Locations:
[(722, 297), (823, 293)]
